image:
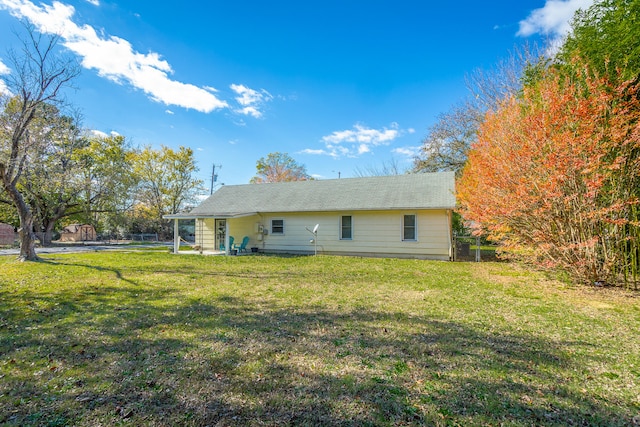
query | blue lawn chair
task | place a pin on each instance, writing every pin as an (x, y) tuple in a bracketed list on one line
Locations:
[(243, 245), (222, 248)]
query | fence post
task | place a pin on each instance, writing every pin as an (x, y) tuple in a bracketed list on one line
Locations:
[(455, 248)]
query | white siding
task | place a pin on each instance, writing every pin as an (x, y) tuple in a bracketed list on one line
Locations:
[(244, 226), (375, 233)]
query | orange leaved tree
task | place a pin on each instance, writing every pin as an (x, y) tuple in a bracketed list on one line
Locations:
[(554, 177)]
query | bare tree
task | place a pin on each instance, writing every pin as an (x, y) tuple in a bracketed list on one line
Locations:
[(489, 87), (446, 145), (387, 168), (39, 74)]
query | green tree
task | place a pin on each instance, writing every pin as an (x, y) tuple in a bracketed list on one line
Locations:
[(279, 167), (50, 181), (107, 181), (78, 175), (38, 77), (8, 212), (166, 182), (606, 37)]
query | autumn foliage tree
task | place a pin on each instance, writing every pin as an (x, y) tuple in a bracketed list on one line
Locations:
[(554, 177), (279, 167)]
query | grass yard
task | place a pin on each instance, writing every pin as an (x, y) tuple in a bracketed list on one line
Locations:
[(145, 338)]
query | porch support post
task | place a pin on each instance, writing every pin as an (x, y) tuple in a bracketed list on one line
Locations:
[(227, 249), (176, 236)]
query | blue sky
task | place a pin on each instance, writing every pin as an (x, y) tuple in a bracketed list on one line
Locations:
[(337, 84)]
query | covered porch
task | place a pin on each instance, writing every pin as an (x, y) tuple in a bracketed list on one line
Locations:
[(213, 233)]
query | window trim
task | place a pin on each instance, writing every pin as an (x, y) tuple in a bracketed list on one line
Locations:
[(414, 227), (342, 228), (277, 233)]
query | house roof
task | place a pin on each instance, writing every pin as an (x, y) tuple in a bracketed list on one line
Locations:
[(398, 192)]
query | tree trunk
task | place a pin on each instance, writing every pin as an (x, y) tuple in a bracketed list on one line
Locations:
[(47, 234), (48, 225), (27, 242), (26, 235)]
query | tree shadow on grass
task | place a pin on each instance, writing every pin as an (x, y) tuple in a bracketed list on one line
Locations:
[(118, 273), (111, 356)]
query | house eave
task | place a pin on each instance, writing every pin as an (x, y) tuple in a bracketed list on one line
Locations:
[(186, 216)]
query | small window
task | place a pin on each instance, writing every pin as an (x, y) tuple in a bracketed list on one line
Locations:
[(346, 227), (277, 226), (409, 227)]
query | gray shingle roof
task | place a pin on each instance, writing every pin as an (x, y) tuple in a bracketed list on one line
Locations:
[(412, 191)]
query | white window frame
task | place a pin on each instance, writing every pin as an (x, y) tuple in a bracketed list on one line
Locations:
[(342, 228), (277, 233), (415, 227)]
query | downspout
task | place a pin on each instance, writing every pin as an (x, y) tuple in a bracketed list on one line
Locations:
[(449, 213), (263, 235)]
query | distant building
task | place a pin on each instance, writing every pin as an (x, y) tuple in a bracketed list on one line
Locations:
[(78, 233), (8, 234)]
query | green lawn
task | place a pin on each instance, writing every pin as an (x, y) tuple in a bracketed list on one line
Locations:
[(144, 338)]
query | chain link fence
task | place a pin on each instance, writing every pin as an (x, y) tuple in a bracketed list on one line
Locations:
[(473, 249)]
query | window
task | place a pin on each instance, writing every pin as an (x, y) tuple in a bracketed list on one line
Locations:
[(346, 227), (277, 226), (409, 227)]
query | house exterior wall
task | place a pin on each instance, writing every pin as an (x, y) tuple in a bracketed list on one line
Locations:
[(374, 233), (205, 234), (245, 226)]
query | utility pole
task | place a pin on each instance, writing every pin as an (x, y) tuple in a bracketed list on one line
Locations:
[(214, 177)]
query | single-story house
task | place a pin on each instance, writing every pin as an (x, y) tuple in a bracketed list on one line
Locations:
[(78, 233), (8, 234), (407, 216)]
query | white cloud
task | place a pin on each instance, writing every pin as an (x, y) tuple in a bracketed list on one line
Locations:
[(98, 133), (114, 58), (94, 2), (3, 86), (314, 152), (363, 134), (363, 148), (357, 141), (410, 152), (250, 100), (553, 19), (3, 68), (169, 112)]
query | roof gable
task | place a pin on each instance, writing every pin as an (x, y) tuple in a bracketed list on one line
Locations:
[(411, 191)]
